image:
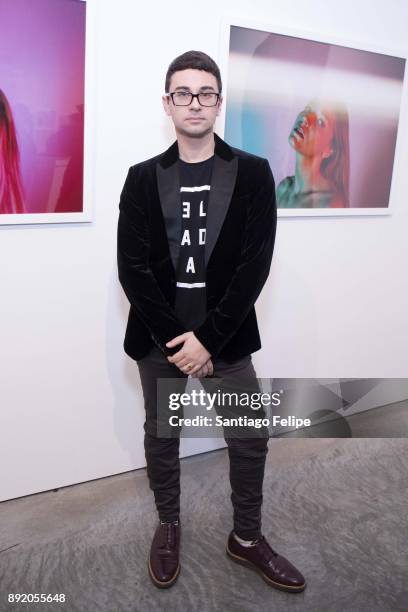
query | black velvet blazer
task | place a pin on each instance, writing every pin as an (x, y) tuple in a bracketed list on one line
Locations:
[(241, 226)]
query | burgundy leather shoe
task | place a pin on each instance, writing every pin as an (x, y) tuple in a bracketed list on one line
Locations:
[(164, 565), (274, 569)]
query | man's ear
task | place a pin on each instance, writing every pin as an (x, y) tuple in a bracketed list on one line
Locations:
[(166, 103), (219, 105)]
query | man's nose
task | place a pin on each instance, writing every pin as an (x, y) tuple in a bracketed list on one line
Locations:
[(195, 103)]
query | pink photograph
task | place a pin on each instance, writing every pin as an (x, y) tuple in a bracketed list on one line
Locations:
[(42, 102)]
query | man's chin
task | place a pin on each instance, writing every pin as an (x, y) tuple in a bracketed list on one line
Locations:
[(198, 132)]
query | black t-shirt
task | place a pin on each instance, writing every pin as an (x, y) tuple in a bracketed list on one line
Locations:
[(195, 181)]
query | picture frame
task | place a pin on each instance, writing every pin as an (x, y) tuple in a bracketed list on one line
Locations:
[(48, 81), (278, 79)]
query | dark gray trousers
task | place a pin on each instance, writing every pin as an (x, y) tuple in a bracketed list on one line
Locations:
[(246, 455)]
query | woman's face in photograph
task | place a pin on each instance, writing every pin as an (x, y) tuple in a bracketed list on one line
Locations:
[(312, 131)]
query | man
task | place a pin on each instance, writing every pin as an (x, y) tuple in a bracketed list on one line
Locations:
[(195, 239)]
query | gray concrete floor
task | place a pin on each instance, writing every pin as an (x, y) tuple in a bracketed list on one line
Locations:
[(337, 508)]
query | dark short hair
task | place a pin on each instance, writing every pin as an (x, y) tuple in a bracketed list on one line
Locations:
[(196, 60)]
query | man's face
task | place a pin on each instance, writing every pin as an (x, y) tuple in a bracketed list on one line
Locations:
[(193, 120)]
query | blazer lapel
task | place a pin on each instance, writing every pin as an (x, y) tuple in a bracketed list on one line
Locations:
[(223, 179), (169, 193)]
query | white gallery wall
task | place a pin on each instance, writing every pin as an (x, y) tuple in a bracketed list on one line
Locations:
[(335, 304)]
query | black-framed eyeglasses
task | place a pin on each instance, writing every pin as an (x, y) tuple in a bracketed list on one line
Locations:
[(185, 98)]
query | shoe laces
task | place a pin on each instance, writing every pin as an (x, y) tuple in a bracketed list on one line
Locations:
[(169, 535), (266, 549)]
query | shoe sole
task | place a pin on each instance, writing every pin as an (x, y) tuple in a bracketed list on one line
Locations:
[(159, 583), (252, 566)]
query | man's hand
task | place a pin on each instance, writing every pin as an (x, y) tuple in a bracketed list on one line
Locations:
[(192, 356), (206, 370)]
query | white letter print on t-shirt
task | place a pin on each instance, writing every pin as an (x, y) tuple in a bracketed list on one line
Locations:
[(186, 238), (201, 235), (186, 210), (190, 265)]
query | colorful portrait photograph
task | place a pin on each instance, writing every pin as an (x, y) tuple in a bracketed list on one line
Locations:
[(42, 81), (324, 114)]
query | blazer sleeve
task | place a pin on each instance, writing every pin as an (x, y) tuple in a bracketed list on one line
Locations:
[(135, 274), (253, 268)]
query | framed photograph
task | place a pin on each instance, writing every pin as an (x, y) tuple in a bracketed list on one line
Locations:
[(324, 112), (45, 132)]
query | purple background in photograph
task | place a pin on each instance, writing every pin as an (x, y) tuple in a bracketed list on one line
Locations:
[(42, 55), (262, 107)]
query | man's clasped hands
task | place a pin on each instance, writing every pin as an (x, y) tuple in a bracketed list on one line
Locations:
[(193, 358)]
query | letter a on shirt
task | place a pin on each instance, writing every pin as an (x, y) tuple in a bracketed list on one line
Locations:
[(190, 265), (186, 238)]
